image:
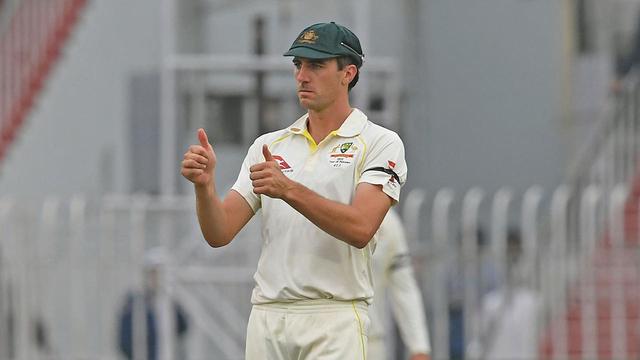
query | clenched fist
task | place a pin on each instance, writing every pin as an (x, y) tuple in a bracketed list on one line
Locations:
[(199, 161)]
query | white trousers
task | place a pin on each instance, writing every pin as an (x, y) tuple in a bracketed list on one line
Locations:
[(308, 330)]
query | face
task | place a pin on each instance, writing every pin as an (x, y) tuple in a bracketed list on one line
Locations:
[(320, 83), (151, 279)]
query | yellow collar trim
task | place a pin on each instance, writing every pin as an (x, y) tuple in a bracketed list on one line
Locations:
[(313, 146)]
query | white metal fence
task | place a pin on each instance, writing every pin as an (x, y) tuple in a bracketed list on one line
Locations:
[(495, 269), (66, 267), (573, 246)]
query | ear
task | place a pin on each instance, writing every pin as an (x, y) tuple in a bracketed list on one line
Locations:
[(350, 72)]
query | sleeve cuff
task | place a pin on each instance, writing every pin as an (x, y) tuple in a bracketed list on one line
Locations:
[(252, 199), (389, 185)]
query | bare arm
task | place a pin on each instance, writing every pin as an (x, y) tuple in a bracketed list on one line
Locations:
[(219, 220), (354, 223)]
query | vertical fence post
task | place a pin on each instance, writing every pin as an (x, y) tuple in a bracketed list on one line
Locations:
[(588, 296), (499, 225), (618, 264), (77, 275), (530, 241), (441, 212), (411, 213), (470, 227), (138, 235), (530, 244), (558, 271), (166, 286)]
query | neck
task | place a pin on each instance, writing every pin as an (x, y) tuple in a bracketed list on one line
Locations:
[(323, 122)]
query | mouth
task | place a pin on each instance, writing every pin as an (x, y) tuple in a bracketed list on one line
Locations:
[(304, 92)]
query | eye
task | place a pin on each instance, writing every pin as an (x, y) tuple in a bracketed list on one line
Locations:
[(297, 64)]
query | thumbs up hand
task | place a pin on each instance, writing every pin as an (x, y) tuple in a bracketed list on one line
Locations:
[(266, 153), (268, 179), (199, 161)]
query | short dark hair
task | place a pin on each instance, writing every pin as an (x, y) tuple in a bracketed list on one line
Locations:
[(344, 61)]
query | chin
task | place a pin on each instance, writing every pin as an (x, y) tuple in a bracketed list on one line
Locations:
[(305, 103)]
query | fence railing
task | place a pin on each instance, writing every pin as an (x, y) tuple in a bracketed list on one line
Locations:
[(512, 276), (610, 154), (495, 279)]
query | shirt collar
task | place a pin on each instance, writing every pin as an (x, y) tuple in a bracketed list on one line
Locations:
[(352, 126)]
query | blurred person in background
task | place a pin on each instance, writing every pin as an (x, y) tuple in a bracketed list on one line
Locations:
[(509, 313), (324, 184), (628, 62), (38, 341), (486, 281), (394, 277), (154, 258)]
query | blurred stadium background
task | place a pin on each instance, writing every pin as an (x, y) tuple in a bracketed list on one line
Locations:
[(514, 141)]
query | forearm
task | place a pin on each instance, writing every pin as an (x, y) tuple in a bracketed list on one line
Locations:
[(342, 221), (211, 215)]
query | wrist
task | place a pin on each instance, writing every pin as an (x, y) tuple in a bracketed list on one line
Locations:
[(208, 189), (289, 195)]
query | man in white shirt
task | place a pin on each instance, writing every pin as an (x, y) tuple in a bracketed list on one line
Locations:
[(324, 184), (394, 280), (510, 313)]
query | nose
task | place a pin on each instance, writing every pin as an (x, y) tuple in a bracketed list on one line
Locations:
[(302, 74)]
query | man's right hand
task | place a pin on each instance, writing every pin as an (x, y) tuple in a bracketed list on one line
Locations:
[(199, 161)]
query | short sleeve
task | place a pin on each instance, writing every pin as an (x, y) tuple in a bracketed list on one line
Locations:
[(243, 184), (384, 164)]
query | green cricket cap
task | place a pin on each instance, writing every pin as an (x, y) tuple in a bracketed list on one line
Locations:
[(327, 40)]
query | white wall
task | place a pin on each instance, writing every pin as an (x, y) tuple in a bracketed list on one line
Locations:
[(485, 106), (75, 138)]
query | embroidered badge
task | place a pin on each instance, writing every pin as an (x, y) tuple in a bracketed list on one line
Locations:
[(308, 37), (342, 155), (344, 147)]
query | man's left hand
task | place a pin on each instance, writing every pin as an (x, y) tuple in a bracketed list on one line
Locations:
[(267, 179)]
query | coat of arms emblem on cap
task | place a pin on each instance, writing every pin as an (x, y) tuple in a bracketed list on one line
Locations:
[(308, 37)]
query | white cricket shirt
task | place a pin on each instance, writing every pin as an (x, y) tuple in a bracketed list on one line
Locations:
[(299, 261)]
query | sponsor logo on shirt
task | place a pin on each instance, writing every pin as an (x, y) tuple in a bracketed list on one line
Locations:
[(392, 181), (284, 166)]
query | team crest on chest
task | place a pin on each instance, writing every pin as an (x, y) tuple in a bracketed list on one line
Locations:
[(345, 147), (342, 155)]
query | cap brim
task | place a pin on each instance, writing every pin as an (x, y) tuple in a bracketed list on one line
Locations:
[(308, 53)]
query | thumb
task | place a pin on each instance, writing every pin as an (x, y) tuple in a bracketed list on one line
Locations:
[(266, 153), (204, 140)]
